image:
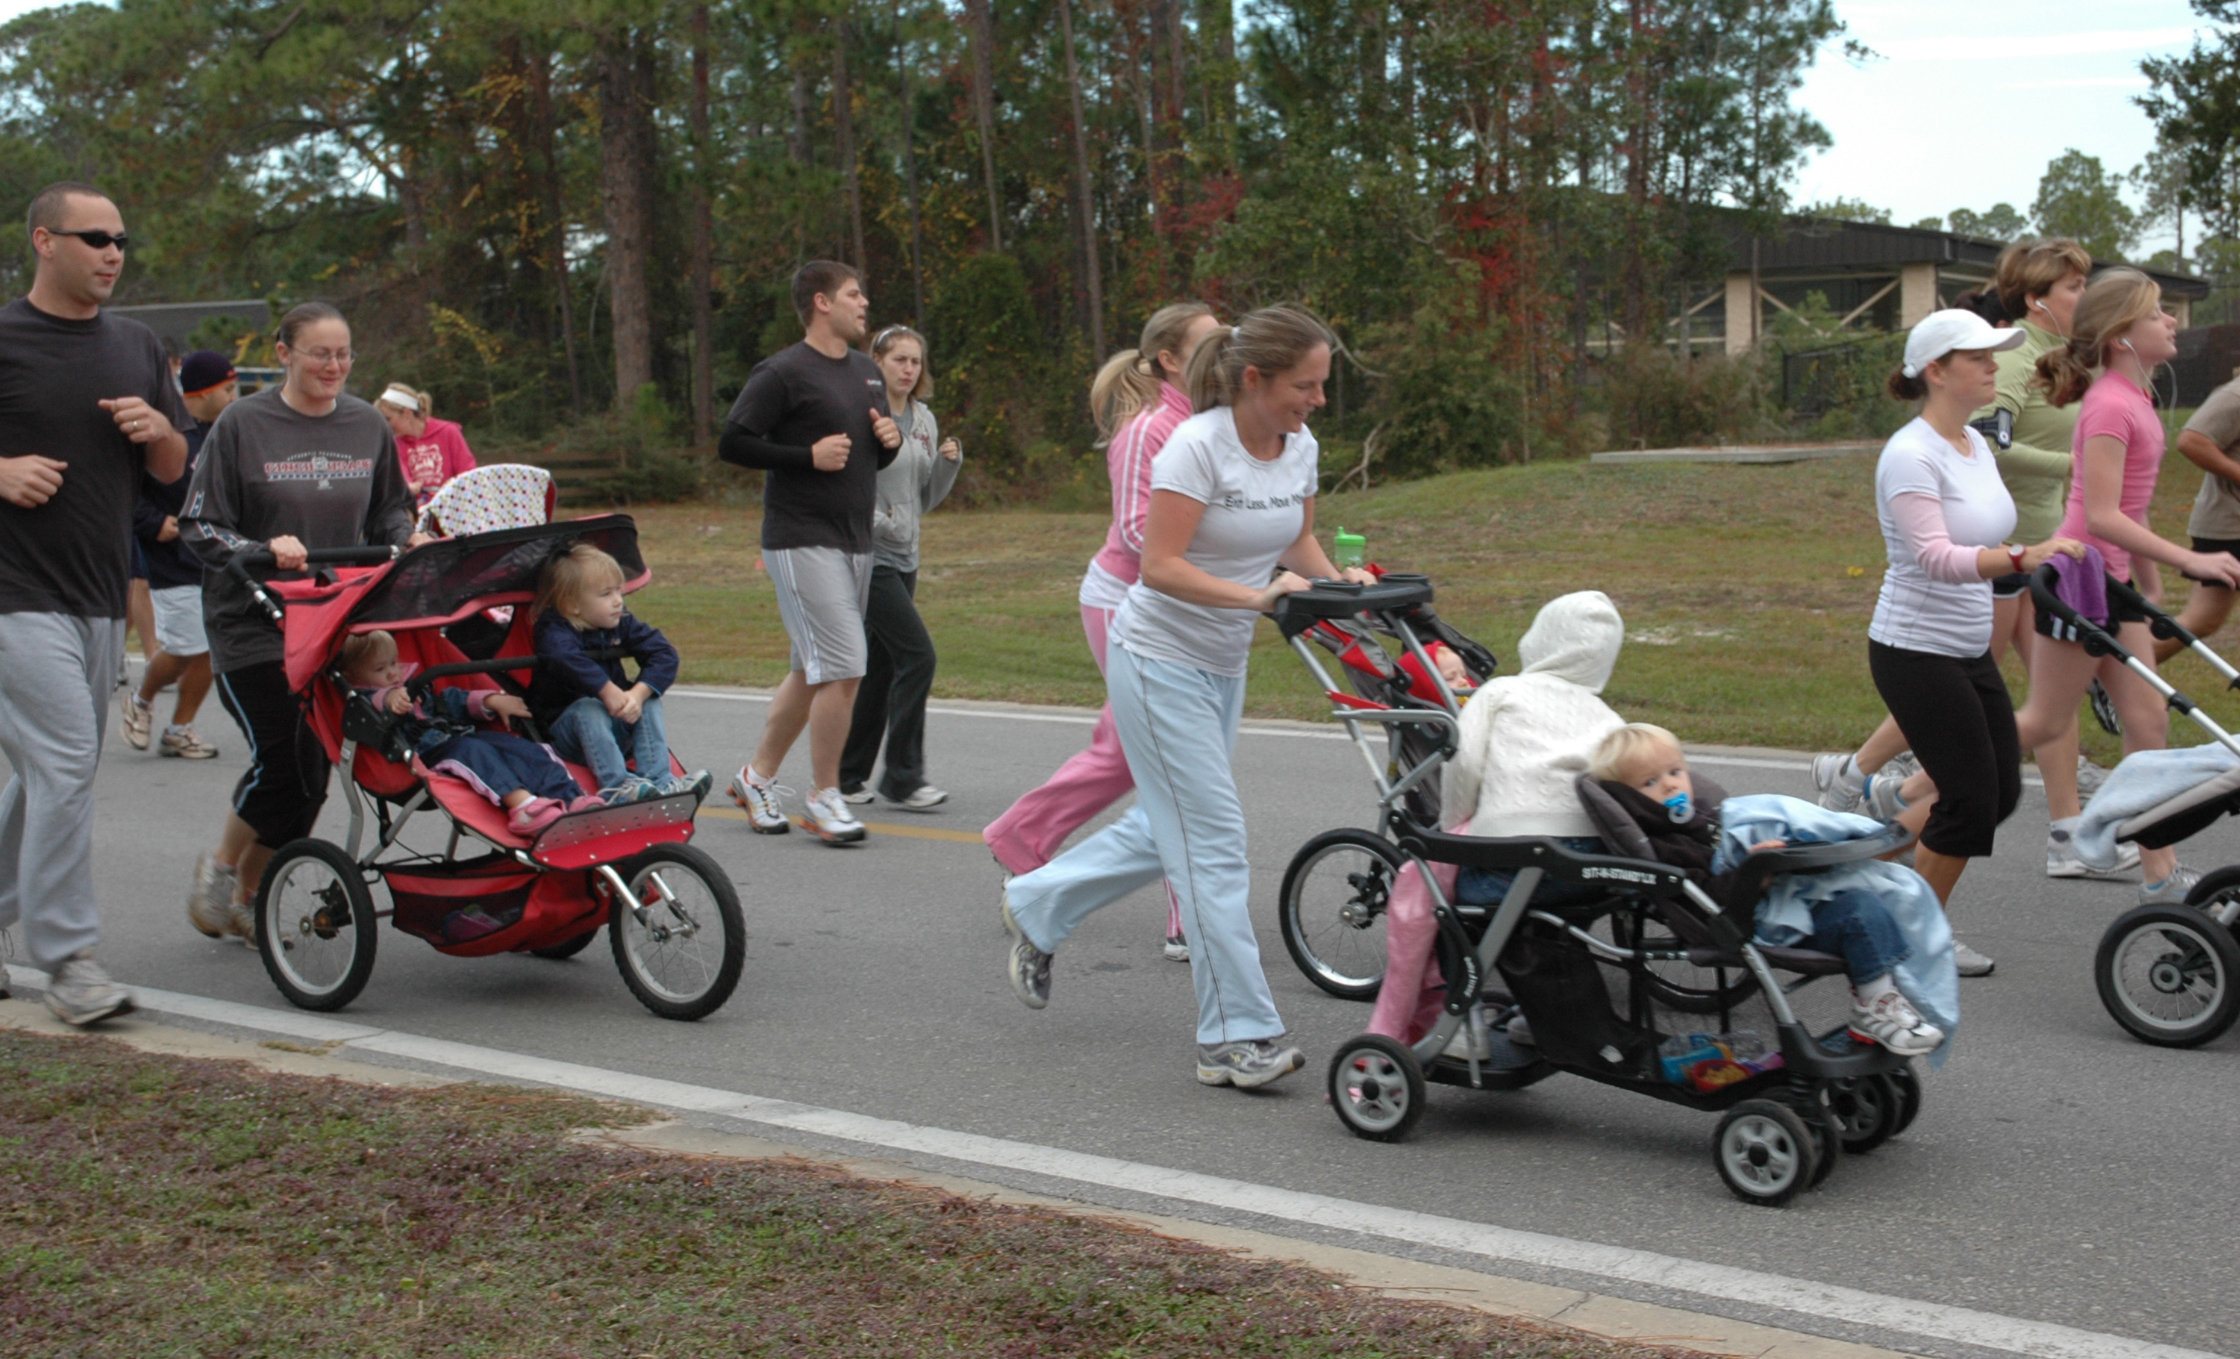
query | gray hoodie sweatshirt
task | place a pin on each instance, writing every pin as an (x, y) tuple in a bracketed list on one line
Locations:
[(918, 479)]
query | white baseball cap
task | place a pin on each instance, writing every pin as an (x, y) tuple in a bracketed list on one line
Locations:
[(1942, 332)]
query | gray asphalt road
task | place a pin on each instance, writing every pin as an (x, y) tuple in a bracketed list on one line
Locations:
[(2060, 1171)]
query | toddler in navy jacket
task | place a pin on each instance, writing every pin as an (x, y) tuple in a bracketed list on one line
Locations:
[(595, 714)]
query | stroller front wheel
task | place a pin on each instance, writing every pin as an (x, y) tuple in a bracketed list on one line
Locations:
[(2170, 975), (1376, 1085), (315, 925), (682, 957), (1764, 1152), (1332, 910)]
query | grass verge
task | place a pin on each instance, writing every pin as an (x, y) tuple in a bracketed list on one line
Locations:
[(155, 1205), (1746, 590)]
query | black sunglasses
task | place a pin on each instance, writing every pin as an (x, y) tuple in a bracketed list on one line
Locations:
[(99, 240)]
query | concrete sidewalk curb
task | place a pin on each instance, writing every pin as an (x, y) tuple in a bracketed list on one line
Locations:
[(1598, 1315)]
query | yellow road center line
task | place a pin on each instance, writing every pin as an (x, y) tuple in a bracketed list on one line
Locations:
[(876, 828)]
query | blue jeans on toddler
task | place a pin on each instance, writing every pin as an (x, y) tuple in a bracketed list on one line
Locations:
[(497, 762), (587, 734), (1856, 927), (1487, 886)]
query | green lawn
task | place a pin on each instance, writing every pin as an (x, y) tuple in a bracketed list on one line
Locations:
[(1746, 589), (153, 1205)]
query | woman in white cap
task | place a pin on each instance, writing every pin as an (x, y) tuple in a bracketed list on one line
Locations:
[(431, 451), (1945, 519)]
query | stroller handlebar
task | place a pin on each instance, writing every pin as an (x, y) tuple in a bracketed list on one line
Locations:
[(261, 558), (1295, 613)]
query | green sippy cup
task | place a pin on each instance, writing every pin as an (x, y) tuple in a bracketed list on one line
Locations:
[(1348, 550)]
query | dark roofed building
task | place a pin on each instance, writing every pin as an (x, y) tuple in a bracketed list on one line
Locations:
[(1886, 277)]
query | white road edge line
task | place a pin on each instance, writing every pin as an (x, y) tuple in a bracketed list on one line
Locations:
[(1990, 1330)]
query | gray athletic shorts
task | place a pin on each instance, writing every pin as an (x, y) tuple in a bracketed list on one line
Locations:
[(821, 596)]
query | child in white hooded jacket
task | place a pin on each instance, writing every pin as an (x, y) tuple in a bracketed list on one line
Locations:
[(1525, 739)]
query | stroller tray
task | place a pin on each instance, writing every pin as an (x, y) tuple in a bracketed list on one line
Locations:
[(584, 839)]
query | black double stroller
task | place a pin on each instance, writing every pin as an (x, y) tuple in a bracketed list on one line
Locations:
[(1651, 986)]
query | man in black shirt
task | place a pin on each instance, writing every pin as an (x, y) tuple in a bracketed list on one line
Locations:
[(86, 406), (814, 418)]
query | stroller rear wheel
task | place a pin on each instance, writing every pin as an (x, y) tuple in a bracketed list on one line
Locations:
[(682, 958), (1866, 1111), (1905, 1082), (2170, 975), (1376, 1085), (1332, 910), (1764, 1152), (315, 926)]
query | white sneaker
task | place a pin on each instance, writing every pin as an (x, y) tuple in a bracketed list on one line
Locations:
[(860, 797), (2089, 778), (139, 719), (210, 904), (829, 819), (760, 799), (81, 992), (1838, 793), (2171, 891), (2062, 860), (925, 799), (1891, 1020), (1881, 795), (1969, 963), (1176, 949)]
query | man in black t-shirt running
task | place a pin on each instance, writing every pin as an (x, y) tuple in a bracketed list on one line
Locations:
[(814, 418), (86, 405)]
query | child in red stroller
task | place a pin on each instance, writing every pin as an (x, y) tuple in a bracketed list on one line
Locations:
[(673, 917)]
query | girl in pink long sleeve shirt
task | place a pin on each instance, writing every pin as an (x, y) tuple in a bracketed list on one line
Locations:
[(1141, 389)]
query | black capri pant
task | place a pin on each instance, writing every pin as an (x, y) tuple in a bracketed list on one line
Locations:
[(286, 783), (1956, 715)]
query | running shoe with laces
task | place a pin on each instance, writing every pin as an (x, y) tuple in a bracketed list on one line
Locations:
[(2171, 891), (858, 796), (2104, 710), (829, 819), (1881, 797), (697, 783), (1029, 966), (1249, 1064), (1890, 1020), (81, 992), (1905, 764), (924, 799), (139, 719), (1839, 780), (2089, 778), (181, 743), (211, 907), (631, 789), (765, 815), (1176, 949), (2062, 860), (1969, 963)]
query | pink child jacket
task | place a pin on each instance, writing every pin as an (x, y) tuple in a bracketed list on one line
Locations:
[(1128, 461)]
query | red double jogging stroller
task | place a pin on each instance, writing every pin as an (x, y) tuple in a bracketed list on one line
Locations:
[(458, 608)]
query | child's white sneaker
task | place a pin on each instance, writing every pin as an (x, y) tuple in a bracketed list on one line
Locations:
[(829, 819), (1890, 1020)]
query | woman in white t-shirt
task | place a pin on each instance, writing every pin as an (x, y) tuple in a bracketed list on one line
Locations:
[(1232, 499), (1945, 518)]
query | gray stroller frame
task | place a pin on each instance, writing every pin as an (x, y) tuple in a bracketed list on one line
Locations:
[(2169, 974), (1334, 890), (1781, 1127)]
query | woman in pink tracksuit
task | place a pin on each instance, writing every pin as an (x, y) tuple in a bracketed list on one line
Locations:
[(1140, 391)]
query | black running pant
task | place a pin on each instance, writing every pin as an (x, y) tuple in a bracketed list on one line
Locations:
[(1957, 717), (286, 782)]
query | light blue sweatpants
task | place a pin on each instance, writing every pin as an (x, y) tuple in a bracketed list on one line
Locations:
[(56, 674), (1178, 725)]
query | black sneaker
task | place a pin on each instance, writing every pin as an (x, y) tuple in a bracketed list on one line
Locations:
[(2104, 710)]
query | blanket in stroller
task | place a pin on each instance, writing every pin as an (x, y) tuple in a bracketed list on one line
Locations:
[(2144, 782), (1928, 977)]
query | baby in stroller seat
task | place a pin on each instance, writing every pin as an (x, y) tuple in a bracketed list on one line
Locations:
[(1642, 768), (519, 775)]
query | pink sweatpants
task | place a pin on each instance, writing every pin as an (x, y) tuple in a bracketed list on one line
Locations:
[(1028, 835), (1414, 993)]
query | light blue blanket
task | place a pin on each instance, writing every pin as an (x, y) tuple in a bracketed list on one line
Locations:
[(2143, 781), (1927, 976)]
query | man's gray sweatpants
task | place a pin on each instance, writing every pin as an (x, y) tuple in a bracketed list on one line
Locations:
[(56, 674)]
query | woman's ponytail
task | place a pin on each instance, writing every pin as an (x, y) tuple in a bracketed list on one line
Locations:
[(2063, 374), (1127, 383), (1273, 340), (1129, 380)]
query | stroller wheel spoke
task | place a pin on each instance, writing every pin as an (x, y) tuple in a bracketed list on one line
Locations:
[(681, 953), (315, 925)]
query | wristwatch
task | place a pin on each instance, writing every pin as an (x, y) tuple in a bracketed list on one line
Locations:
[(2014, 557)]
